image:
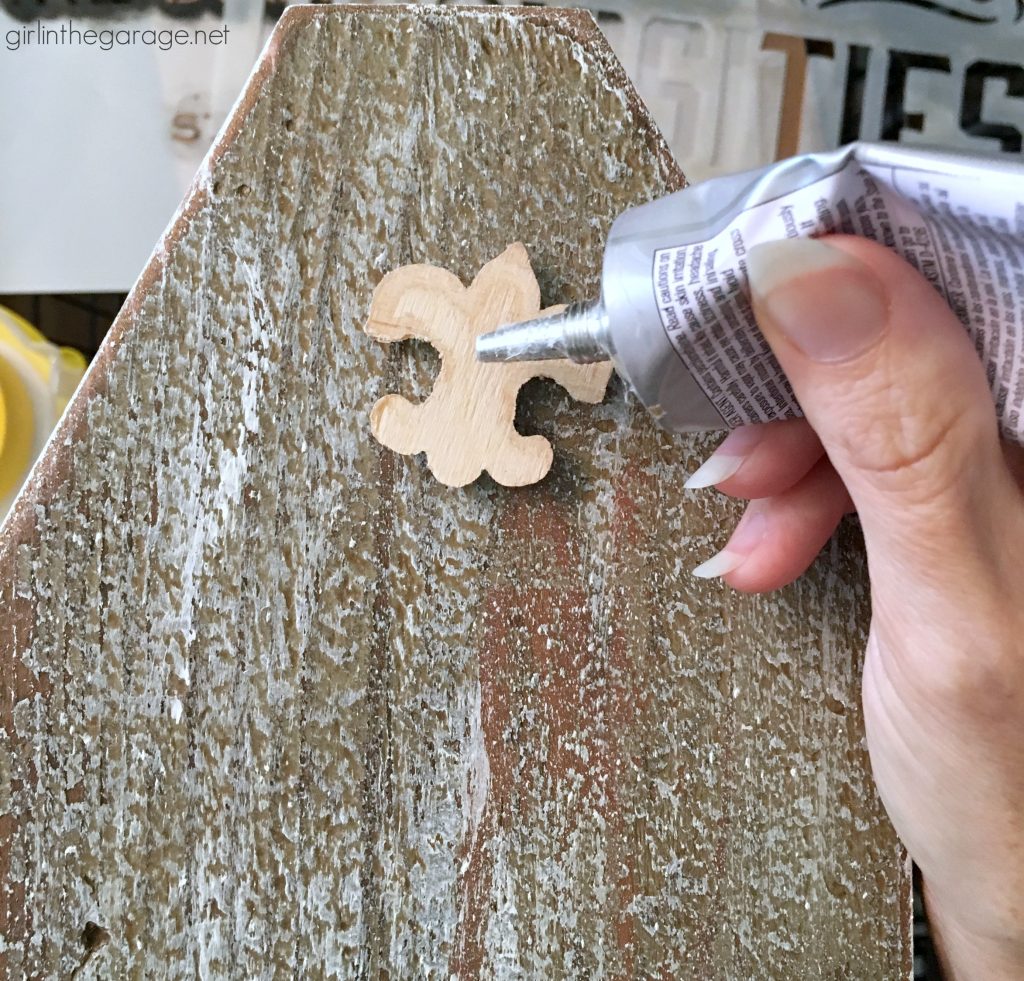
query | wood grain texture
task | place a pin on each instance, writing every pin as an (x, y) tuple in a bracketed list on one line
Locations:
[(275, 704), (466, 425)]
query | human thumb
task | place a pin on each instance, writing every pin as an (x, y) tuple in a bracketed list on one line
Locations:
[(890, 381)]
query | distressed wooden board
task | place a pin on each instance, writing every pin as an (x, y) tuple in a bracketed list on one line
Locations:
[(277, 704)]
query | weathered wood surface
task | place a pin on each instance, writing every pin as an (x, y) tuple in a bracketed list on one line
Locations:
[(277, 704)]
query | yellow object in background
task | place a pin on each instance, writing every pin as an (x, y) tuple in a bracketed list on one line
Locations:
[(37, 379)]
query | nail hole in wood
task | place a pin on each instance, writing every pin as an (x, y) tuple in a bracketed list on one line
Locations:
[(94, 936)]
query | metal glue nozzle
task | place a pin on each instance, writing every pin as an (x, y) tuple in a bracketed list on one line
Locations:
[(579, 333)]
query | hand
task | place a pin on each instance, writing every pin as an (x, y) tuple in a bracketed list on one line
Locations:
[(900, 426)]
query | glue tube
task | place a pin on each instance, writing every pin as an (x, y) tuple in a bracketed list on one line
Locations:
[(675, 315)]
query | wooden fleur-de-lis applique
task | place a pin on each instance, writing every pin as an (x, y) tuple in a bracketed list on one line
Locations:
[(466, 424)]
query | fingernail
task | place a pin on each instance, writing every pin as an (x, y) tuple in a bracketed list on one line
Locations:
[(719, 565), (748, 535), (727, 459), (828, 304)]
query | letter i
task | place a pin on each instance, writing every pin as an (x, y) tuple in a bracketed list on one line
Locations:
[(853, 93)]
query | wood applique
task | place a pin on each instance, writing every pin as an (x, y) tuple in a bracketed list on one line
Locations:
[(466, 425)]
